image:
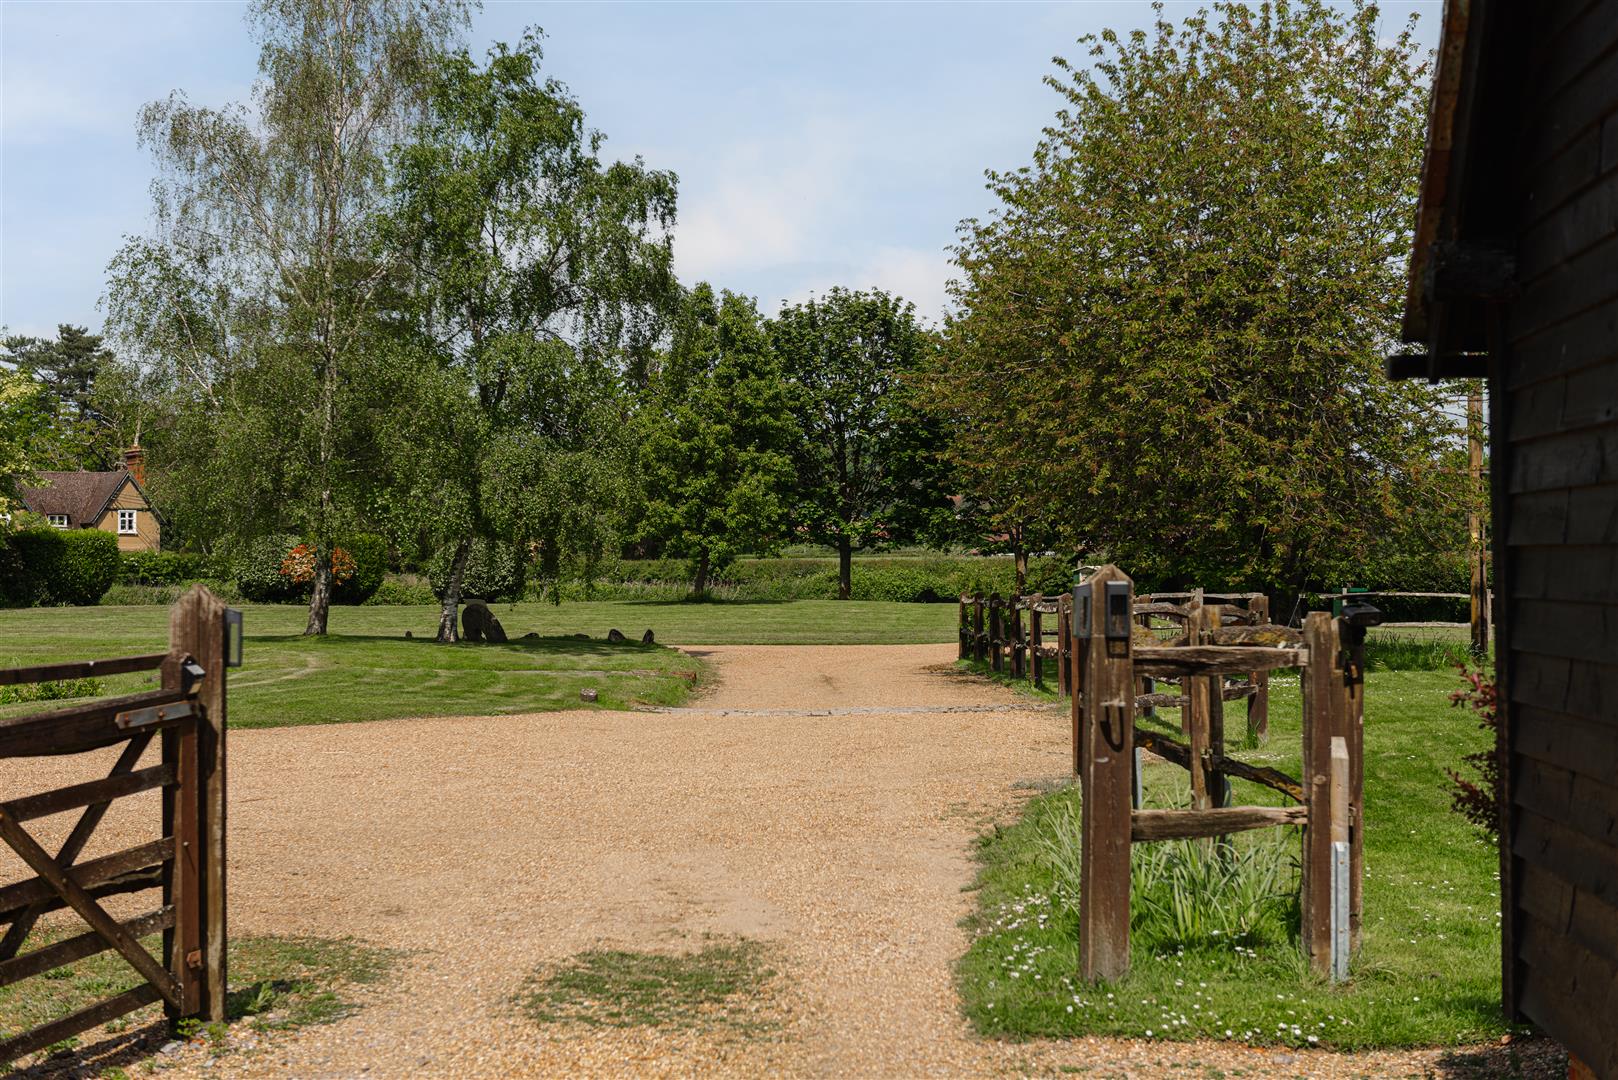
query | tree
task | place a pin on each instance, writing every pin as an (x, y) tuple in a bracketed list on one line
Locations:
[(846, 356), (68, 368), (1181, 305), (28, 426), (717, 438), (543, 276), (267, 264)]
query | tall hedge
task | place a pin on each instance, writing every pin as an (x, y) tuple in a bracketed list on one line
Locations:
[(370, 554), (54, 566)]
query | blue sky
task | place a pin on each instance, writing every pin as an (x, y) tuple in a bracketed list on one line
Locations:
[(817, 144)]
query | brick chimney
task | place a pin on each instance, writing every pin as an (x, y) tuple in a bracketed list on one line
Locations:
[(135, 462)]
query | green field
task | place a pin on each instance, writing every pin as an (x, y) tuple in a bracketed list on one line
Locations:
[(367, 670), (1429, 969)]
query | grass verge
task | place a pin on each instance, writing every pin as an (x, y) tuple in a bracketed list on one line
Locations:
[(721, 986), (366, 669), (279, 984), (1428, 969)]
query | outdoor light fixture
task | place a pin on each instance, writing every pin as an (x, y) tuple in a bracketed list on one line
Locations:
[(1119, 615), (233, 637)]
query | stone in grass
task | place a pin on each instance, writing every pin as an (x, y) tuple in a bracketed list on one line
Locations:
[(587, 695), (475, 620), (647, 638), (616, 636), (495, 632)]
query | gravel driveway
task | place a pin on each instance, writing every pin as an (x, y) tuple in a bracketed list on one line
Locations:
[(821, 799)]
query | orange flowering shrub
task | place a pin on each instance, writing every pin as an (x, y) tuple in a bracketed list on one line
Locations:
[(299, 565)]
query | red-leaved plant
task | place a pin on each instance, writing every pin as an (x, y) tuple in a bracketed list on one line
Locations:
[(299, 565), (1478, 800)]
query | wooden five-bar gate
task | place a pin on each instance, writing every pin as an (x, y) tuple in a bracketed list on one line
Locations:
[(1114, 660), (186, 861)]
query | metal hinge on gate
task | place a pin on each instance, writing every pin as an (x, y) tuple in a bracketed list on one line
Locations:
[(154, 714)]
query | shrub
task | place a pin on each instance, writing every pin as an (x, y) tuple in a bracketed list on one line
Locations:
[(52, 566), (370, 557), (1478, 800), (899, 584), (88, 567), (401, 589), (162, 567), (60, 690), (256, 569), (493, 572), (28, 567)]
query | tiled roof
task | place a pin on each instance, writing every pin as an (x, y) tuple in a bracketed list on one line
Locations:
[(80, 495)]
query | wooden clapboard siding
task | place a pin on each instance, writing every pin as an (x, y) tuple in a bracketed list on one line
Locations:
[(1557, 518)]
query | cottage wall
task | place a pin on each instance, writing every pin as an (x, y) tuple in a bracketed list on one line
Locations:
[(1556, 393), (148, 535)]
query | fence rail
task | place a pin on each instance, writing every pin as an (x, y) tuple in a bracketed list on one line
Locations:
[(1117, 657), (186, 862)]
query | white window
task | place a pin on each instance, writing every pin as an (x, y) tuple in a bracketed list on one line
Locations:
[(126, 523), (58, 520)]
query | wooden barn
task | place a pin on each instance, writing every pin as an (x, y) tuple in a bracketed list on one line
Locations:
[(1514, 278)]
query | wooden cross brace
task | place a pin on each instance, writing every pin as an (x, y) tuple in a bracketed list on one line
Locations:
[(54, 873)]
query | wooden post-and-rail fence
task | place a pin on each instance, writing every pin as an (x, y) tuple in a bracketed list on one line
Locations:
[(1113, 665), (1012, 634), (186, 862)]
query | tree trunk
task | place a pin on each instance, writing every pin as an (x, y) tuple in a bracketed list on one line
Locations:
[(320, 599), (845, 568), (448, 621), (701, 587), (1019, 556)]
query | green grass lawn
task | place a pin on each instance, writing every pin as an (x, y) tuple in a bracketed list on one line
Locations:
[(1428, 972), (367, 670)]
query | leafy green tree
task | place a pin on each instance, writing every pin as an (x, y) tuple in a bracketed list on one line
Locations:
[(28, 425), (543, 279), (861, 475), (1179, 308), (266, 267), (717, 438)]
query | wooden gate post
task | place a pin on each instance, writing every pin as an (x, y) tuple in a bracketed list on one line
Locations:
[(1107, 776), (197, 629), (997, 628), (1325, 716), (1064, 646), (1036, 638), (1204, 716), (977, 628), (1354, 703), (1019, 646), (961, 631), (1258, 705)]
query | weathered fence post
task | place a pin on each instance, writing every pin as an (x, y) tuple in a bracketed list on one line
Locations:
[(1204, 716), (962, 632), (997, 633), (1036, 638), (1258, 704), (1325, 716), (1354, 693), (978, 640), (197, 629), (1107, 771), (1019, 646), (1064, 646)]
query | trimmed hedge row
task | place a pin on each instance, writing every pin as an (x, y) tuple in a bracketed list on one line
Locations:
[(929, 579), (55, 566)]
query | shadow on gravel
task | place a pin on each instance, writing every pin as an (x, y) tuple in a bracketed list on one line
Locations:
[(1531, 1058)]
